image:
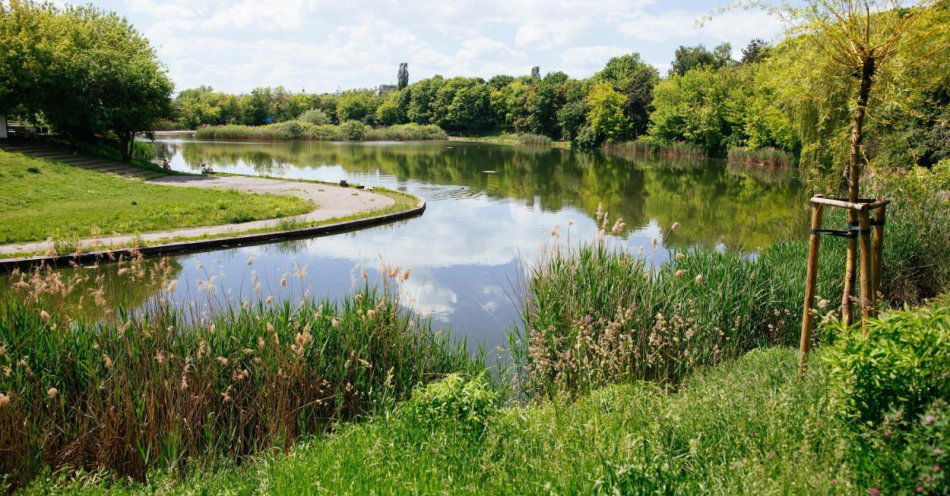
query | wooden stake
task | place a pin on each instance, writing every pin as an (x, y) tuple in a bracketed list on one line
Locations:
[(867, 293), (810, 280), (850, 259), (877, 245)]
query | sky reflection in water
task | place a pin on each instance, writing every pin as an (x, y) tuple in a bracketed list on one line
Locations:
[(490, 209)]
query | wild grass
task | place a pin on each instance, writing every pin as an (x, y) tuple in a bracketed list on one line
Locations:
[(760, 157), (301, 130), (748, 427), (596, 315), (65, 202), (530, 139), (160, 388), (649, 148)]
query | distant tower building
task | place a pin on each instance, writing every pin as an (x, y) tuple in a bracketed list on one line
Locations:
[(535, 72), (402, 77)]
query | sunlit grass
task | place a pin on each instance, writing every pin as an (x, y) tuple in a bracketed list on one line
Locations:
[(41, 199)]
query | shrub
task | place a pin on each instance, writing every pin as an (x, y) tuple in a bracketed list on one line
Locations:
[(904, 454), (454, 402), (317, 117), (353, 130), (901, 364)]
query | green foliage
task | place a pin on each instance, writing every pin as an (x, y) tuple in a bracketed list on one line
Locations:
[(465, 405), (89, 72), (358, 105), (901, 364), (634, 79), (300, 130), (317, 117), (696, 108), (606, 120), (353, 130), (686, 58), (748, 427)]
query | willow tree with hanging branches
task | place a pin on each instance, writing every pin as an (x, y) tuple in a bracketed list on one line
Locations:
[(863, 38)]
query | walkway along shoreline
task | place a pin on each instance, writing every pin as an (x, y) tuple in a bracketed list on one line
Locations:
[(9, 264)]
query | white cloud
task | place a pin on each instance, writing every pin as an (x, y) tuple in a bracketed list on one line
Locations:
[(322, 45)]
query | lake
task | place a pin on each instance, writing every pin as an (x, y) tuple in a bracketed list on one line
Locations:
[(490, 210)]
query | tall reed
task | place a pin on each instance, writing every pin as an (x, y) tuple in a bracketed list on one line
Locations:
[(649, 148), (160, 387), (761, 157), (596, 314), (302, 130)]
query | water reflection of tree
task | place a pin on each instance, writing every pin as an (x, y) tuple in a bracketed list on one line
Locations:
[(734, 208)]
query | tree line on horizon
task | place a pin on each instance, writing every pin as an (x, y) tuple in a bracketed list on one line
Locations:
[(87, 74)]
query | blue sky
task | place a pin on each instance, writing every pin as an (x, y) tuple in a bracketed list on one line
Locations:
[(325, 45)]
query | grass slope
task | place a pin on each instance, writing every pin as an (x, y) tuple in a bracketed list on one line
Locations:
[(749, 427), (41, 199)]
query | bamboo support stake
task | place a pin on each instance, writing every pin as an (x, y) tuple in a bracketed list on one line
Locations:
[(877, 245), (867, 293), (810, 280)]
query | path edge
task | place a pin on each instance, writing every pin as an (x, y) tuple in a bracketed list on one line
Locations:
[(9, 264)]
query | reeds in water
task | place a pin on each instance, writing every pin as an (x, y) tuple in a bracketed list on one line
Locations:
[(158, 388), (761, 157), (649, 148), (299, 130)]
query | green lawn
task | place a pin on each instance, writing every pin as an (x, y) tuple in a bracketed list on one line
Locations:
[(40, 199), (749, 427)]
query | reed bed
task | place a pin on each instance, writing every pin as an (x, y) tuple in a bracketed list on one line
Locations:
[(530, 139), (649, 148), (159, 388), (596, 314), (301, 130), (761, 157)]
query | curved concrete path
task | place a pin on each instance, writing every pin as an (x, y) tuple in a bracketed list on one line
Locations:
[(331, 201)]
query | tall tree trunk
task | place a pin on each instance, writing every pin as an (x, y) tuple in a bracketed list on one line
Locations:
[(126, 140), (853, 175)]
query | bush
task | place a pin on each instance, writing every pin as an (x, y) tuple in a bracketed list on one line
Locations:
[(317, 117), (901, 364), (454, 402), (533, 139), (353, 130)]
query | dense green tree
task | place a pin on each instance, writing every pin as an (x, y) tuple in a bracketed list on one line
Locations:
[(390, 111), (695, 107), (634, 79), (88, 72), (755, 51), (359, 105), (688, 58), (606, 120), (402, 76)]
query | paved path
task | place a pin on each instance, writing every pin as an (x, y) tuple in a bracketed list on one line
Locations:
[(332, 201)]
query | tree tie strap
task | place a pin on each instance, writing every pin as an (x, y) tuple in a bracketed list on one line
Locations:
[(876, 222)]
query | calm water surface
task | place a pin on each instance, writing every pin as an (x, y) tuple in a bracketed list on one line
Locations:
[(490, 209)]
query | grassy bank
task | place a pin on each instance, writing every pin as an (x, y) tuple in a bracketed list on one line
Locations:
[(746, 427), (516, 139), (40, 199), (298, 130), (597, 315), (162, 388)]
